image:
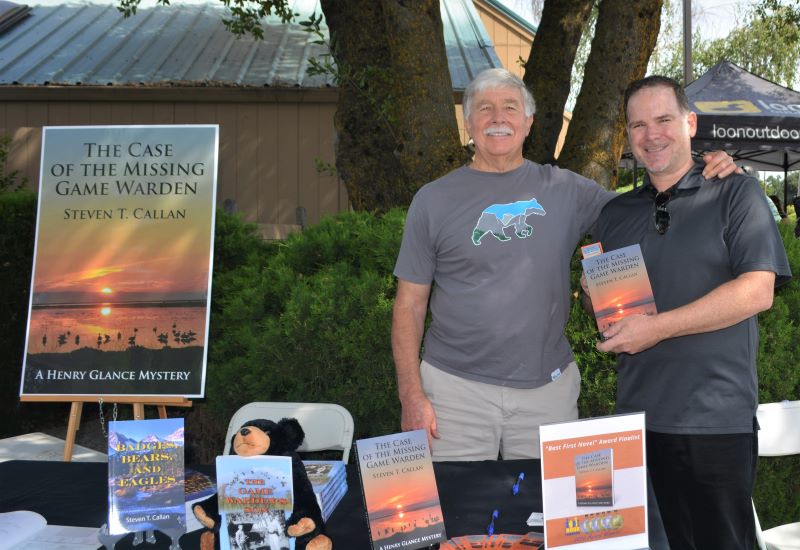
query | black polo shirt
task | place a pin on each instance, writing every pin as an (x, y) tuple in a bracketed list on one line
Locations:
[(703, 383)]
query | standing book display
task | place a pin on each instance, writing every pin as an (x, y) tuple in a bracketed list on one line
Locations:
[(256, 497), (618, 284), (121, 283), (400, 493), (594, 484), (146, 478)]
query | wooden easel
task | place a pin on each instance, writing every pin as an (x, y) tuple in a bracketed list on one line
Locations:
[(76, 409)]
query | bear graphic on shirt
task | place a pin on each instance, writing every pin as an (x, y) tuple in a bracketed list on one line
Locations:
[(496, 218)]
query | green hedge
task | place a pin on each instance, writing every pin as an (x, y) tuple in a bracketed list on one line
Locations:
[(312, 323), (17, 230), (778, 479), (308, 319)]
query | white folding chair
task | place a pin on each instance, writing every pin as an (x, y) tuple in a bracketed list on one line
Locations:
[(779, 436), (326, 425)]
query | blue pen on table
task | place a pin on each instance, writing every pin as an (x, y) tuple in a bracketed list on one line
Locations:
[(515, 487), (490, 528)]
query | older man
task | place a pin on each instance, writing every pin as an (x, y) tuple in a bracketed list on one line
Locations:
[(496, 238), (714, 255)]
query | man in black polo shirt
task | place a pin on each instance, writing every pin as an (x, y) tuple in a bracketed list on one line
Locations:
[(714, 256)]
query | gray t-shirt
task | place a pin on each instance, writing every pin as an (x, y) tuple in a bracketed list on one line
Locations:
[(702, 383), (497, 249)]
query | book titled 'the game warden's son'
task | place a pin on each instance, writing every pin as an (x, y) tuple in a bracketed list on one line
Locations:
[(400, 493), (618, 283), (256, 496)]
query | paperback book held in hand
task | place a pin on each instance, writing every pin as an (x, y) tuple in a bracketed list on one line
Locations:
[(400, 493), (618, 285), (145, 476), (256, 496)]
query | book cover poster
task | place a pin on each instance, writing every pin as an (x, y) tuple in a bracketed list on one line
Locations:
[(255, 499), (618, 285), (121, 280), (400, 493), (145, 475), (594, 483), (594, 478)]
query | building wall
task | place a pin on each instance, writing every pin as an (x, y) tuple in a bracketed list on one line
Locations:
[(511, 41), (270, 138), (267, 167)]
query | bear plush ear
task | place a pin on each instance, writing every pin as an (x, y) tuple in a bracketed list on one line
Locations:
[(291, 436)]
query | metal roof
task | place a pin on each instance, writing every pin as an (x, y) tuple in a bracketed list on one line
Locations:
[(186, 44)]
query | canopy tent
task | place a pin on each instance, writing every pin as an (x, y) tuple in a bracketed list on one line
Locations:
[(756, 121)]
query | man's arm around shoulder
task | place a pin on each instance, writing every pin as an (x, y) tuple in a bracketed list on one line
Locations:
[(408, 324), (726, 305)]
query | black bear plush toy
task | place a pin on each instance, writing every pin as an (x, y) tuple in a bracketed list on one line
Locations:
[(265, 437)]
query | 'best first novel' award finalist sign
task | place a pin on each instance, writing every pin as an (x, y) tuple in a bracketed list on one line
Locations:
[(594, 484), (122, 265)]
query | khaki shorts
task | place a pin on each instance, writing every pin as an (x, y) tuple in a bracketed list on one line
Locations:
[(478, 421)]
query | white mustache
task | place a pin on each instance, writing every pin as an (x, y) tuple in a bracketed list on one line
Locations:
[(503, 130)]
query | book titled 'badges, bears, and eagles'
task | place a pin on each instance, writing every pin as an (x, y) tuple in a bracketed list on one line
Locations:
[(146, 476), (400, 493)]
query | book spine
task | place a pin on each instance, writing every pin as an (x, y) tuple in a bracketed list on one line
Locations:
[(364, 498), (331, 487), (332, 502)]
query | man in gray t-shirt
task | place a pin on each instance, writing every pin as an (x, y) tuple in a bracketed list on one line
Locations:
[(494, 241)]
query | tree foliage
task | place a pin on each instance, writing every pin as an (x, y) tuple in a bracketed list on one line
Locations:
[(787, 11), (9, 181), (765, 43), (766, 46), (246, 15)]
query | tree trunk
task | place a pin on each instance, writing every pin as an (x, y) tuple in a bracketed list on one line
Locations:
[(624, 38), (395, 122), (548, 72)]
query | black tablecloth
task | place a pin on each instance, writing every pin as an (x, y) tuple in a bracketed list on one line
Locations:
[(75, 493)]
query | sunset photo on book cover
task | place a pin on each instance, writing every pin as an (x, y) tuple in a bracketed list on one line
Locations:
[(618, 285), (400, 491), (122, 264), (594, 474)]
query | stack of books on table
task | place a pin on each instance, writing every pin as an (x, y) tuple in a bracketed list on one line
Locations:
[(329, 479)]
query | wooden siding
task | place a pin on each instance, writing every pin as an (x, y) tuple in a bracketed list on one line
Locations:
[(511, 40), (267, 168)]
